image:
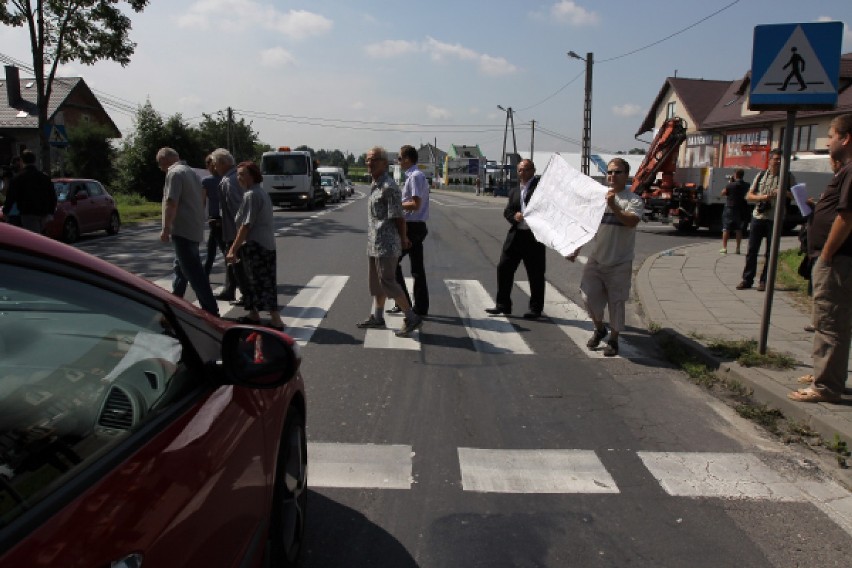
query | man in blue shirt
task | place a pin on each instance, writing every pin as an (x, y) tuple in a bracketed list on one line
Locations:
[(415, 204), (214, 215)]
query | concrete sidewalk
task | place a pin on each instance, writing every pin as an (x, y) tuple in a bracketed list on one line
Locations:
[(690, 293)]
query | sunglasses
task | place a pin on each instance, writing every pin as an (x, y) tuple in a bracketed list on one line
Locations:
[(614, 172)]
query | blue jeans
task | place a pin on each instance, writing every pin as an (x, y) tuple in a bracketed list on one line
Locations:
[(188, 270), (759, 230)]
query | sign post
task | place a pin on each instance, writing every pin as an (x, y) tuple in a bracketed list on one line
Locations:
[(794, 67)]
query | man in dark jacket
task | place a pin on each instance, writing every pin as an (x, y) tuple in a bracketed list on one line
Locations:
[(520, 245), (33, 193)]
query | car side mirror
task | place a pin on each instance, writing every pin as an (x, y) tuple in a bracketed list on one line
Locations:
[(258, 357)]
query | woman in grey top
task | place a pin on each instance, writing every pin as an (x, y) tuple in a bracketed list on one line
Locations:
[(254, 245)]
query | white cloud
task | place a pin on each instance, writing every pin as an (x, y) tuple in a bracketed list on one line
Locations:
[(569, 12), (846, 42), (248, 14), (189, 102), (358, 105), (391, 48), (627, 109), (495, 66), (276, 57), (437, 112)]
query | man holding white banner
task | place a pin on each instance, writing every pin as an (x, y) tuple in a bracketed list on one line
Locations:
[(607, 275)]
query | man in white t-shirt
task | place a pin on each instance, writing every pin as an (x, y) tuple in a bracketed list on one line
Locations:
[(608, 272)]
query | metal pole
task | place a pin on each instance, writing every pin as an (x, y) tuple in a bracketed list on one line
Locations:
[(514, 140), (777, 229), (587, 117), (503, 162)]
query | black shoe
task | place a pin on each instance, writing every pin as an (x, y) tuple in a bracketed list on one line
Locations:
[(394, 310), (225, 297), (611, 349), (743, 285), (761, 287), (409, 326), (371, 323), (532, 315), (240, 302), (596, 338), (497, 310)]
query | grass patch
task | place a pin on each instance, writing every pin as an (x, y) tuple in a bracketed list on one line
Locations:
[(133, 208), (787, 276), (762, 414), (745, 352)]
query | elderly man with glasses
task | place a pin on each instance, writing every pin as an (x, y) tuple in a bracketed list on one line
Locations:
[(606, 278)]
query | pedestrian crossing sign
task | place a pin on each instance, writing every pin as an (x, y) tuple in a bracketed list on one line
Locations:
[(56, 135), (795, 66)]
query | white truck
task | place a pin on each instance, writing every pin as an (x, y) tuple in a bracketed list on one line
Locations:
[(288, 178)]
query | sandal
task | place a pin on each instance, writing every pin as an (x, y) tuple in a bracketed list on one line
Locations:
[(805, 380), (810, 394)]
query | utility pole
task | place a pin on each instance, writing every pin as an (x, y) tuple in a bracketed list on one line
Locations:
[(587, 111), (532, 138), (505, 133), (231, 130)]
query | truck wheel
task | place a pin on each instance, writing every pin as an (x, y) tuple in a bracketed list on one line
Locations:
[(684, 225)]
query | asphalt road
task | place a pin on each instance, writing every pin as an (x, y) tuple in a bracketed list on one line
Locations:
[(505, 442)]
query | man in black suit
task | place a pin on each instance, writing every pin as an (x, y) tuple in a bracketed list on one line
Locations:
[(33, 193), (520, 245)]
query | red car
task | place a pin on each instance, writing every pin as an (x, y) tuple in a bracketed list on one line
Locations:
[(137, 430), (84, 206)]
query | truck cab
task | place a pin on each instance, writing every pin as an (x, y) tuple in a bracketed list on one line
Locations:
[(288, 178)]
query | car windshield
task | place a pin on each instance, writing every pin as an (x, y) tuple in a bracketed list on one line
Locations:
[(62, 190), (327, 180), (287, 165)]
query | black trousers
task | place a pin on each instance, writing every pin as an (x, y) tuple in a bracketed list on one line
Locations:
[(417, 232), (521, 246), (758, 230), (215, 242)]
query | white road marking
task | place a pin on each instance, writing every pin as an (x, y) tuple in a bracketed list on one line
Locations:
[(575, 323), (306, 311), (490, 334), (534, 471), (359, 465), (386, 338), (731, 476)]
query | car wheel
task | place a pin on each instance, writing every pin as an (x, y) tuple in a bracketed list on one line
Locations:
[(114, 223), (290, 496), (70, 230)]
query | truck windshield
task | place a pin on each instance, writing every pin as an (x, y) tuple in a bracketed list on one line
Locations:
[(284, 165)]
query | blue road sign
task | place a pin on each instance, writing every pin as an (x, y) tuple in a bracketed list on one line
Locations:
[(795, 66), (56, 135)]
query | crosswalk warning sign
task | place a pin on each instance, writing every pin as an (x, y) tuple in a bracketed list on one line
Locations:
[(795, 66), (56, 135)]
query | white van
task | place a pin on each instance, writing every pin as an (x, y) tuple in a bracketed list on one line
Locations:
[(288, 178), (338, 174)]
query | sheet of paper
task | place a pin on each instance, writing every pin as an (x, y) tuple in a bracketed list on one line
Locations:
[(800, 194), (566, 209)]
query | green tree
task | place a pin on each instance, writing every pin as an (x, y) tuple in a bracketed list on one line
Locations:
[(90, 153), (245, 143), (72, 30), (137, 168)]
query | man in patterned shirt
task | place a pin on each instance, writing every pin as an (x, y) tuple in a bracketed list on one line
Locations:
[(386, 238)]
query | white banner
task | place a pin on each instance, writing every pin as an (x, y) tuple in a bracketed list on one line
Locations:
[(566, 209)]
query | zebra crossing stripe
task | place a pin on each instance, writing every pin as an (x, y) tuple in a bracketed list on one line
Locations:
[(575, 323), (359, 465), (726, 475), (534, 471), (309, 307), (386, 338), (490, 334)]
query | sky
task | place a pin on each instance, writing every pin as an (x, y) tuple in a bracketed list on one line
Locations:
[(348, 75)]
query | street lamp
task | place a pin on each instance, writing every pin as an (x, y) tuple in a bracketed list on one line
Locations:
[(509, 117), (587, 111)]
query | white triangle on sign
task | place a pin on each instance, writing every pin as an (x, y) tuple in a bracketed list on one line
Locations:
[(56, 136), (797, 54)]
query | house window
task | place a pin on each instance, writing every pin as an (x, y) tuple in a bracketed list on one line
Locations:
[(670, 110), (803, 138)]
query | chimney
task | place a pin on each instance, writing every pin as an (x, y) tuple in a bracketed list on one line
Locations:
[(13, 86)]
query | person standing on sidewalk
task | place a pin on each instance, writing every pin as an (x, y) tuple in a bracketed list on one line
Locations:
[(606, 278), (386, 238), (520, 245), (214, 215), (830, 236), (735, 207), (764, 194), (183, 225), (415, 204)]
